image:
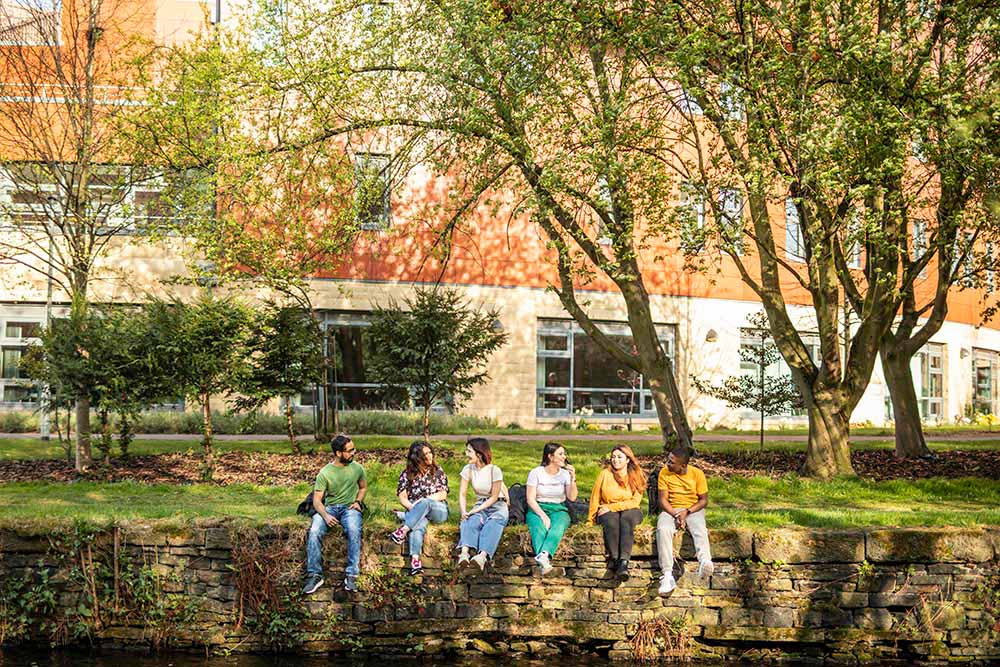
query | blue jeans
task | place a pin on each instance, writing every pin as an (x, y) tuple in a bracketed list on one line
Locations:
[(350, 521), (482, 530), (424, 511)]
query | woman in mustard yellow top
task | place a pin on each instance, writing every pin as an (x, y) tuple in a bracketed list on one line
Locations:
[(614, 505)]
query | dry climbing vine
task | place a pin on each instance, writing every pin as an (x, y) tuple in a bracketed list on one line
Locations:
[(266, 575)]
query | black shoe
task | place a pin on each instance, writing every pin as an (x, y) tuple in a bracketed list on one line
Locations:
[(351, 584), (622, 570), (313, 581)]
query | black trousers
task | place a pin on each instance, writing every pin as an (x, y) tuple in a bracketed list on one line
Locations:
[(619, 532)]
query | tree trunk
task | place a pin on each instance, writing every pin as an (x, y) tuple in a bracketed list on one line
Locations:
[(105, 442), (427, 421), (208, 465), (83, 452), (669, 409), (828, 453), (910, 442), (290, 424)]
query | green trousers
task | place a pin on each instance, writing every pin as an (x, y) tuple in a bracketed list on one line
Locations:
[(548, 540)]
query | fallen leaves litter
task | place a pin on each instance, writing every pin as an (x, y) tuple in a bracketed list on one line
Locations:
[(272, 469), (267, 469), (878, 465)]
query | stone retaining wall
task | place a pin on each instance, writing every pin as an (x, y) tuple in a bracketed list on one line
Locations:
[(843, 596)]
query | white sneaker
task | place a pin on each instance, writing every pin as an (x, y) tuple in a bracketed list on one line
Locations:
[(480, 560), (667, 584), (544, 565), (706, 569)]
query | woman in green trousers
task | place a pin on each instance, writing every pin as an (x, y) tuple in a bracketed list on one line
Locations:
[(549, 486)]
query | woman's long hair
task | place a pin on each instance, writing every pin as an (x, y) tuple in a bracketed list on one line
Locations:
[(481, 446), (415, 465), (634, 475)]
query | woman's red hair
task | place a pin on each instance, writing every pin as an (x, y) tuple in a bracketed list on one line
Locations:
[(635, 477)]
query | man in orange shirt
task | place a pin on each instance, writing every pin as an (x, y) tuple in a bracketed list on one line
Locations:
[(683, 494)]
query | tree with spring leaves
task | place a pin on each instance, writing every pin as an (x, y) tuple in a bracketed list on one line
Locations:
[(208, 343), (284, 359), (541, 110), (765, 394), (71, 186), (436, 348), (853, 121)]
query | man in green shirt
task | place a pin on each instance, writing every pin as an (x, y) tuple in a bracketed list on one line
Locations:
[(340, 487)]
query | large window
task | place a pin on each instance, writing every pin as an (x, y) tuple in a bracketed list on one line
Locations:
[(120, 200), (731, 210), (348, 384), (576, 376), (927, 369), (17, 335), (30, 22), (929, 383), (372, 190), (795, 244), (986, 381), (750, 339)]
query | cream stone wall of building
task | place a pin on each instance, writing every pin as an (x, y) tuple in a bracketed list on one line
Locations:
[(707, 333), (128, 271), (707, 338)]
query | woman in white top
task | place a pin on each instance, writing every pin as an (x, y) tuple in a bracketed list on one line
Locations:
[(549, 486), (482, 526)]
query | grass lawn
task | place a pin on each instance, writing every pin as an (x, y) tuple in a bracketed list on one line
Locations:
[(756, 502)]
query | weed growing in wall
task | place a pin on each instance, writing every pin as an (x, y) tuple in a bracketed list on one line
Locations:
[(25, 603), (662, 637), (390, 587), (266, 574), (104, 587)]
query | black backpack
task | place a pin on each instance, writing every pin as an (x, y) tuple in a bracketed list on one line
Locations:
[(653, 494), (579, 510), (517, 503), (306, 507)]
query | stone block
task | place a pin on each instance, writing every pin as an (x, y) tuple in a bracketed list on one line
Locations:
[(741, 616), (809, 546), (898, 599), (826, 616), (472, 610), (765, 634), (727, 544), (438, 627), (564, 593), (874, 619), (779, 617), (498, 591), (483, 647), (601, 596), (503, 610), (926, 545), (849, 600)]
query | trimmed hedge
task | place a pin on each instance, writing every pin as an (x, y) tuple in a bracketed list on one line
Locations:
[(357, 422)]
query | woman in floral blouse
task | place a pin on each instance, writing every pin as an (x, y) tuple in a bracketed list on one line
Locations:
[(423, 491)]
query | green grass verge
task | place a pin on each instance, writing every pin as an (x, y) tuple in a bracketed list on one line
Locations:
[(28, 448), (753, 503), (756, 502)]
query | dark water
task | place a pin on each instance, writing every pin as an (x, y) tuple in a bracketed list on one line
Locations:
[(43, 658)]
